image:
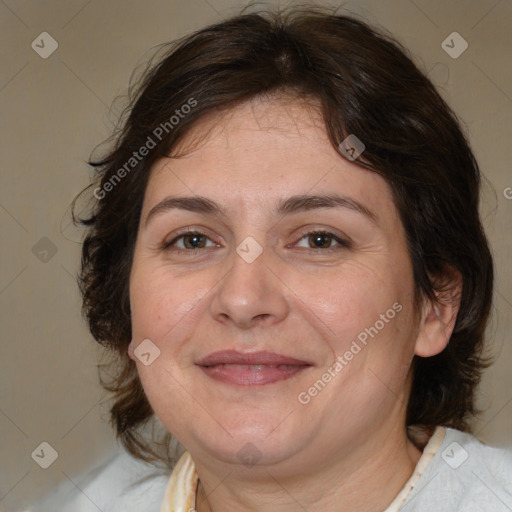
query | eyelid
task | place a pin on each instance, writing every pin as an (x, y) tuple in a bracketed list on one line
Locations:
[(166, 244), (342, 239)]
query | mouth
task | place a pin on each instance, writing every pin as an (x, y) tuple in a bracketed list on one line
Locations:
[(251, 369)]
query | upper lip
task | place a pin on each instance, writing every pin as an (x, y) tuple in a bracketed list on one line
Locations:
[(253, 358)]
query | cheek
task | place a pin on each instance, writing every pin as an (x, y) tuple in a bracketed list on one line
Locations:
[(160, 300), (162, 310), (347, 300), (364, 314)]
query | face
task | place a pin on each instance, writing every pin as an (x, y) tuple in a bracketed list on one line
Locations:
[(274, 247)]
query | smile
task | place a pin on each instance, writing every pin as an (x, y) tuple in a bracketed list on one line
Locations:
[(250, 368)]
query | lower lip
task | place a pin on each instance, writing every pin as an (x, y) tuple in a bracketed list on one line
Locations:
[(244, 375)]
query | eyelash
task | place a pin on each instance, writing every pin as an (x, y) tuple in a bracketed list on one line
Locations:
[(342, 244)]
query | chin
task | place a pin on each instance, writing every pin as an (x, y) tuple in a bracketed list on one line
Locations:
[(252, 442)]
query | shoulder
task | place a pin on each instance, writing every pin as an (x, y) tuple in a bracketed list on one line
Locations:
[(464, 475), (120, 484)]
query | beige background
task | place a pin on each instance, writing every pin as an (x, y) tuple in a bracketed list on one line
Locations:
[(54, 111)]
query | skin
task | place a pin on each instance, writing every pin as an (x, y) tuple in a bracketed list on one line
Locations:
[(294, 299)]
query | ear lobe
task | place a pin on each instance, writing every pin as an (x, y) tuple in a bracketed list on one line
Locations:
[(438, 317)]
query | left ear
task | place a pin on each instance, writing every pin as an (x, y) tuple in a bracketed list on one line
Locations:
[(438, 317)]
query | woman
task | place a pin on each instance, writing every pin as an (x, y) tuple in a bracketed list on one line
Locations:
[(287, 259)]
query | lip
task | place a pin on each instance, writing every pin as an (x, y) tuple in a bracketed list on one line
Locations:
[(235, 368), (249, 358)]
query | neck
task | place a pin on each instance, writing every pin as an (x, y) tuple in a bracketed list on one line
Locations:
[(367, 480)]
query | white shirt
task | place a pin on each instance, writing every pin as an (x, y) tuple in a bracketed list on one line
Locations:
[(456, 472)]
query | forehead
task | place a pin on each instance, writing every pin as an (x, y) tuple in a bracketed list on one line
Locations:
[(260, 152)]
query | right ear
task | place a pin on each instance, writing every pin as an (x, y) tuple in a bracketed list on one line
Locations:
[(131, 354)]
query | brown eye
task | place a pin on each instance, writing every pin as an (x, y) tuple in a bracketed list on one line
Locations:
[(320, 240), (194, 241), (189, 241)]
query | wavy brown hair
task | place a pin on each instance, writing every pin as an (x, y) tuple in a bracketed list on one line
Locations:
[(365, 84)]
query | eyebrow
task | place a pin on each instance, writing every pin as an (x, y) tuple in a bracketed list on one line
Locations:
[(289, 206)]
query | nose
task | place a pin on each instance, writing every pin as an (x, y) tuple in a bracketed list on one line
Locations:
[(250, 294)]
